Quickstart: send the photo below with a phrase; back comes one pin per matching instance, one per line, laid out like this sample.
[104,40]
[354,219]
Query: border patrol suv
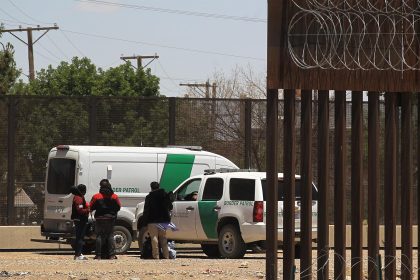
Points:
[229,214]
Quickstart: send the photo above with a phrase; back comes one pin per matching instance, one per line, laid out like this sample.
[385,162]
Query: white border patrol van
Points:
[229,214]
[130,171]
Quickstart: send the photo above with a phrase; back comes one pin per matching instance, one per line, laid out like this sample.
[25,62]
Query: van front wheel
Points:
[122,239]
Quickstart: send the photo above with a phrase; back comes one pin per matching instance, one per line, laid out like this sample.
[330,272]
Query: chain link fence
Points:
[31,125]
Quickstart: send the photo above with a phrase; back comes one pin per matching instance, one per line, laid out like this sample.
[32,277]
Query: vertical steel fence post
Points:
[373,184]
[11,159]
[306,186]
[323,184]
[172,120]
[92,119]
[339,188]
[248,133]
[418,178]
[289,157]
[356,185]
[406,187]
[272,182]
[390,183]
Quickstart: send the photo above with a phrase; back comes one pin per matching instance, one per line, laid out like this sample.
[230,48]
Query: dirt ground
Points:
[191,263]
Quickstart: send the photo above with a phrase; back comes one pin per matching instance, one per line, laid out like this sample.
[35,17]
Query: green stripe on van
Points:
[177,168]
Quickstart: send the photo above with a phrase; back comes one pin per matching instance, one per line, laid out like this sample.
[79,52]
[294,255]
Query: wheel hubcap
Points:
[119,240]
[228,242]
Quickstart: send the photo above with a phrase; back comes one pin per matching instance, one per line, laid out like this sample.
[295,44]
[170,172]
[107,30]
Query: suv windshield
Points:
[61,174]
[281,190]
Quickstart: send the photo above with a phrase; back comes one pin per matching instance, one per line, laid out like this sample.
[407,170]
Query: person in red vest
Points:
[106,205]
[79,215]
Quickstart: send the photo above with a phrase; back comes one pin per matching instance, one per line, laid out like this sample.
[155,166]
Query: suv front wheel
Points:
[231,244]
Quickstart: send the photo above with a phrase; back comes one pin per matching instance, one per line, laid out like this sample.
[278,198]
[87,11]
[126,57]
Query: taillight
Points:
[258,213]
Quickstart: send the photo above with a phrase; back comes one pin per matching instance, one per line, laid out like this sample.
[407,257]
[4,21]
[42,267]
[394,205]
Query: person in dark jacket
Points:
[157,212]
[79,215]
[106,205]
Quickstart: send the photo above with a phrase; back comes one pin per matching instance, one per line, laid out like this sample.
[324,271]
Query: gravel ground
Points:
[191,263]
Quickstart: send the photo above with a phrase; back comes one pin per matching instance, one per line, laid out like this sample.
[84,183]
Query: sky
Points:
[193,38]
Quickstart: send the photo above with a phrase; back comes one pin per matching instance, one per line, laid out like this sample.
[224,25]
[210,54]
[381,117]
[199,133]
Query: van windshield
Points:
[61,174]
[281,190]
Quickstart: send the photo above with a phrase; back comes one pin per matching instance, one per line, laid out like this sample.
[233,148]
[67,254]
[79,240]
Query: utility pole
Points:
[139,59]
[205,85]
[30,43]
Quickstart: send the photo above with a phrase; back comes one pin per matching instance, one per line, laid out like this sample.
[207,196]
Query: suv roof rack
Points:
[227,170]
[192,148]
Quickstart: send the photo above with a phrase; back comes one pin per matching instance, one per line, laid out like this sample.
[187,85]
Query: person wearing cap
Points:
[157,212]
[106,205]
[79,215]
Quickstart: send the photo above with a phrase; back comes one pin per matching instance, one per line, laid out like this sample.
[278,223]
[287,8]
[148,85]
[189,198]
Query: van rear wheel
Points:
[122,239]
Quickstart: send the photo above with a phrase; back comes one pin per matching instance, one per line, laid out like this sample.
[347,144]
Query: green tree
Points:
[8,70]
[124,80]
[77,78]
[62,118]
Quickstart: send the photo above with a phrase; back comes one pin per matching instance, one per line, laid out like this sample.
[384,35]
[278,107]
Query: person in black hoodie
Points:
[156,212]
[79,215]
[106,205]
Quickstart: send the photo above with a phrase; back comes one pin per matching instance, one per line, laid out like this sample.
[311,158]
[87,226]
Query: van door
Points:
[174,169]
[61,175]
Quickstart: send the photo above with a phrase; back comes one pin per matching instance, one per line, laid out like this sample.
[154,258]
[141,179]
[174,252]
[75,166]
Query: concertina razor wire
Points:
[355,35]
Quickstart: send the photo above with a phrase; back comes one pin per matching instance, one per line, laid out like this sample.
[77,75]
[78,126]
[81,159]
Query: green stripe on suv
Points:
[177,168]
[208,218]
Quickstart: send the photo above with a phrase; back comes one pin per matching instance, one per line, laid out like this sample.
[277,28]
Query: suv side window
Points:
[187,188]
[242,189]
[213,189]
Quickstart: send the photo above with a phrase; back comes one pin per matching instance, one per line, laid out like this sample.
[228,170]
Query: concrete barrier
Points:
[19,237]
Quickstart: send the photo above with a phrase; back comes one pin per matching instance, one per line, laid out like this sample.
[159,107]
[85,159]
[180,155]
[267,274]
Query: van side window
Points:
[187,188]
[213,189]
[242,189]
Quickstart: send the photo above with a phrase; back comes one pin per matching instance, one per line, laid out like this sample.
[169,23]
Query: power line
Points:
[19,22]
[9,15]
[27,15]
[172,11]
[161,46]
[48,51]
[71,43]
[167,76]
[56,46]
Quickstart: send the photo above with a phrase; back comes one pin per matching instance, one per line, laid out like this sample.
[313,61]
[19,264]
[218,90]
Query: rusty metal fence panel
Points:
[3,160]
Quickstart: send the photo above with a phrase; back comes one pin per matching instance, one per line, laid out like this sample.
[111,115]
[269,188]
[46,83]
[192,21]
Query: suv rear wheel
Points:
[231,244]
[211,250]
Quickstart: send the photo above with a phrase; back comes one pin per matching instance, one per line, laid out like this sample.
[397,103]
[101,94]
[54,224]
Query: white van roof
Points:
[122,149]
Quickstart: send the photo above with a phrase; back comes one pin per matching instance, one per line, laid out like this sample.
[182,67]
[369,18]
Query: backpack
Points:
[146,250]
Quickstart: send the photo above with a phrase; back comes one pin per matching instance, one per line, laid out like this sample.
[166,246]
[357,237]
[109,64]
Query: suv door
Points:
[209,206]
[185,211]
